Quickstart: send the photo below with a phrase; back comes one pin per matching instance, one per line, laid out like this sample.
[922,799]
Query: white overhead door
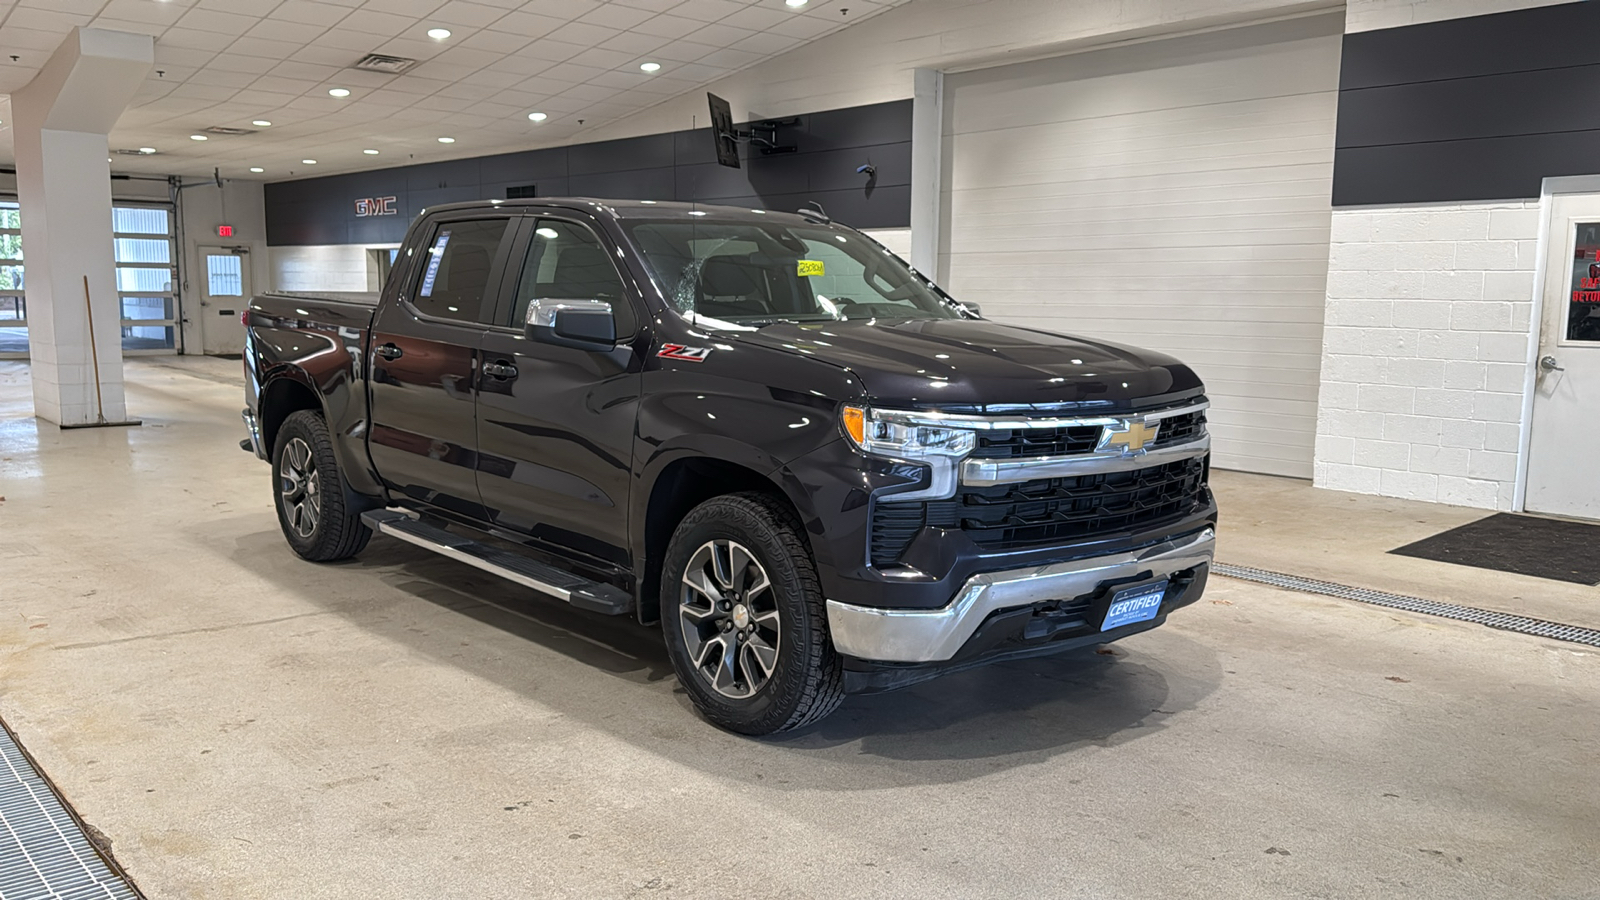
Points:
[1173,195]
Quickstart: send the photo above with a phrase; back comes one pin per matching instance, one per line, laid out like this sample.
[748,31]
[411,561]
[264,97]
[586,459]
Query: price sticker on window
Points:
[810,267]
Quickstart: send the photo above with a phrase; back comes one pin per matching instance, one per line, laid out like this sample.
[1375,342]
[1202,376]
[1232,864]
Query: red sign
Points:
[224,231]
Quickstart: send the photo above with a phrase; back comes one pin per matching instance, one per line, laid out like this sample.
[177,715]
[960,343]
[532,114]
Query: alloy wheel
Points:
[729,615]
[300,488]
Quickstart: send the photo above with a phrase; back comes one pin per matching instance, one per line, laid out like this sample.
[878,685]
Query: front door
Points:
[223,294]
[555,424]
[423,358]
[1566,400]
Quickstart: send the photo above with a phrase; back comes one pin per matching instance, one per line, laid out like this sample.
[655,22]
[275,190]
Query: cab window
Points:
[566,261]
[454,282]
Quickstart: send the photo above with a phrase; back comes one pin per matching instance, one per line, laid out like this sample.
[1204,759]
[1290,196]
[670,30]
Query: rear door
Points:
[555,424]
[424,364]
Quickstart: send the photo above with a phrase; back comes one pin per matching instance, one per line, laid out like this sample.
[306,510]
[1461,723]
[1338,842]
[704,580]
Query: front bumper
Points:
[934,636]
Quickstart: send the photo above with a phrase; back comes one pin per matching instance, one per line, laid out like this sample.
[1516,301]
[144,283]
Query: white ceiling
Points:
[229,62]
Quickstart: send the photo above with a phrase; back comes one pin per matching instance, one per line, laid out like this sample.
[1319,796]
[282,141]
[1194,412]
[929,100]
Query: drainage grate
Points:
[1504,621]
[43,850]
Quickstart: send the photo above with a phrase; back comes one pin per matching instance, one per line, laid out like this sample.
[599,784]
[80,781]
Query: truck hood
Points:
[983,365]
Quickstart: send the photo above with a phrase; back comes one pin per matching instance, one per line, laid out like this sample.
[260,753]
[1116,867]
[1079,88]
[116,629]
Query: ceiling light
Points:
[309,162]
[438,34]
[338,92]
[257,169]
[198,137]
[447,140]
[650,67]
[795,4]
[261,123]
[697,212]
[537,117]
[370,152]
[147,150]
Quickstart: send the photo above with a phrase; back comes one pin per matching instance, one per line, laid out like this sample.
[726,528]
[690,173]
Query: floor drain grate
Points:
[1504,621]
[43,850]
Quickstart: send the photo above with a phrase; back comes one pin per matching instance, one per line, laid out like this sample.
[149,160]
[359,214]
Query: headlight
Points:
[898,440]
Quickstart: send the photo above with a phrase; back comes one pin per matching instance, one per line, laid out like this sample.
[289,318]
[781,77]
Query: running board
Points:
[574,589]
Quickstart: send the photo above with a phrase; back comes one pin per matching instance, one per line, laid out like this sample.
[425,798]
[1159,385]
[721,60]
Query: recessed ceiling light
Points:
[650,67]
[338,92]
[370,152]
[309,162]
[257,169]
[198,137]
[447,140]
[438,34]
[697,212]
[795,4]
[261,123]
[537,117]
[147,150]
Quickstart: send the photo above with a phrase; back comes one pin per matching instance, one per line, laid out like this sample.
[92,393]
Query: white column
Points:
[927,169]
[60,122]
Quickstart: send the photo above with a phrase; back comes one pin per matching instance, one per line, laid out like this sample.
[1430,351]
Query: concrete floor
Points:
[243,724]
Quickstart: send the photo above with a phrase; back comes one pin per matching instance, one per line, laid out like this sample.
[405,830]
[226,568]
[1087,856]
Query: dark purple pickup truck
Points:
[818,472]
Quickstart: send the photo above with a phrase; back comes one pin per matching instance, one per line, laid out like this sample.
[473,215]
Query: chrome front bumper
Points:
[935,635]
[254,428]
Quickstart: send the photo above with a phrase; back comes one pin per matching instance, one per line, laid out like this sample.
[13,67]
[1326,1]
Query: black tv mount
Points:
[764,134]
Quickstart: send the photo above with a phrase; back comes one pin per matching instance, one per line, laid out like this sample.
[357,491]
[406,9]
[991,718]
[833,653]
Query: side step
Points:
[575,589]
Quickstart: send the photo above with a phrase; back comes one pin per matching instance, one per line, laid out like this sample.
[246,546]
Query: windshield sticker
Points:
[433,264]
[681,352]
[811,267]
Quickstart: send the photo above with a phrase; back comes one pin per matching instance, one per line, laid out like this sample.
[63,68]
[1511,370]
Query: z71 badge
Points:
[687,354]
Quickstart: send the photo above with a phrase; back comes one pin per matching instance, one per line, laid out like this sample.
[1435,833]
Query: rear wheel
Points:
[319,515]
[744,617]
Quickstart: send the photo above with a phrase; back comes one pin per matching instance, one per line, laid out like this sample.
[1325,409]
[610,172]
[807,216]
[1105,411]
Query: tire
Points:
[320,516]
[783,672]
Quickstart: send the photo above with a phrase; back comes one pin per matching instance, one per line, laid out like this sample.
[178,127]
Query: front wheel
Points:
[318,514]
[744,617]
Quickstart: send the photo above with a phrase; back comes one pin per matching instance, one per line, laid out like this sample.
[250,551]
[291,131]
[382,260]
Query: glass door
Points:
[147,276]
[13,306]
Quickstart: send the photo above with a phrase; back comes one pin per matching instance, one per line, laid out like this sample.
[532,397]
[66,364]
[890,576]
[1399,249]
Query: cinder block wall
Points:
[1424,351]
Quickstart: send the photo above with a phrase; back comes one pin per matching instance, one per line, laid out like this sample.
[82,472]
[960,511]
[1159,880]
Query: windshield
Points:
[748,274]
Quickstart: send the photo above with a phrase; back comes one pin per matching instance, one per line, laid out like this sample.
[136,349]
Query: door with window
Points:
[147,278]
[223,295]
[423,365]
[1566,428]
[555,424]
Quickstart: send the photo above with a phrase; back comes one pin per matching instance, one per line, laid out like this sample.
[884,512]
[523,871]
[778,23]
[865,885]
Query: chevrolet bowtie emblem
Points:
[1130,437]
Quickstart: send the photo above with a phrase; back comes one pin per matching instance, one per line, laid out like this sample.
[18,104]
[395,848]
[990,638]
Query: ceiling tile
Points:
[669,26]
[707,10]
[613,16]
[634,43]
[219,22]
[760,18]
[562,9]
[46,19]
[461,12]
[495,41]
[151,29]
[143,11]
[683,51]
[373,22]
[249,46]
[729,58]
[529,24]
[308,12]
[604,59]
[719,35]
[276,30]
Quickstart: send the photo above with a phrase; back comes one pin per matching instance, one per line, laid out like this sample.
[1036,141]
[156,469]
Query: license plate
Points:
[1138,604]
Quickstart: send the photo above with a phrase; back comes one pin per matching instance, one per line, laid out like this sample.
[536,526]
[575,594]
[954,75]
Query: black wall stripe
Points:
[677,166]
[1481,108]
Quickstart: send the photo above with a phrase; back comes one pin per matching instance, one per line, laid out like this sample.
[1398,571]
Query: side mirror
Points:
[581,324]
[972,308]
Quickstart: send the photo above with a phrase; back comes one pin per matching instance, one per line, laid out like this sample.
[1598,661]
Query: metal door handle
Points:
[499,370]
[1548,363]
[389,351]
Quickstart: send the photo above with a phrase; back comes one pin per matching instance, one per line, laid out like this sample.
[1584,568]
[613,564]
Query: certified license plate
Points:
[1136,604]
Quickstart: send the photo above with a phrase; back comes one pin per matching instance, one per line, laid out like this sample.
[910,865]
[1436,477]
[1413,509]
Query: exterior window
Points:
[223,278]
[455,279]
[567,262]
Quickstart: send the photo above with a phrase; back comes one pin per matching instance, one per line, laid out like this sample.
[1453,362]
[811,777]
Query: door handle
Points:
[499,370]
[389,351]
[1548,364]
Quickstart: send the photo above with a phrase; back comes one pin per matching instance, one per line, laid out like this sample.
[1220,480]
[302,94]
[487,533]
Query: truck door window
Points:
[455,275]
[567,262]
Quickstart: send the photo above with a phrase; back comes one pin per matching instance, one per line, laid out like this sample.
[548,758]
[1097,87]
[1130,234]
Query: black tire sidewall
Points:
[749,524]
[332,538]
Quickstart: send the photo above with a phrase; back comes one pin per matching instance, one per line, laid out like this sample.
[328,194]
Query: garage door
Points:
[1172,194]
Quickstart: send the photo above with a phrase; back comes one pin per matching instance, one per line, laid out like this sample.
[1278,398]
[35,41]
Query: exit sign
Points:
[224,231]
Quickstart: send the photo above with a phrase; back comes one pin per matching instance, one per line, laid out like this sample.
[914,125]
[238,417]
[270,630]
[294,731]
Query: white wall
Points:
[873,62]
[1370,15]
[315,269]
[1425,350]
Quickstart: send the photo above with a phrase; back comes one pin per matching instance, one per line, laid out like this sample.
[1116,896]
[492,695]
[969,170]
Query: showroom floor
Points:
[243,724]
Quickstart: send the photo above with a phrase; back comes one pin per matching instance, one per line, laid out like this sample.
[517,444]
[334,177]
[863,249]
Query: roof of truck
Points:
[639,209]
